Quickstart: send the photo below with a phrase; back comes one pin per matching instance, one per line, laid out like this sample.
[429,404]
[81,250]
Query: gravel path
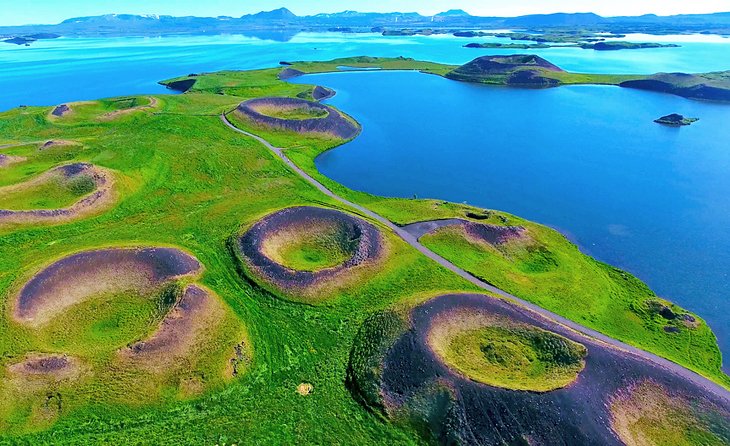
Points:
[412,240]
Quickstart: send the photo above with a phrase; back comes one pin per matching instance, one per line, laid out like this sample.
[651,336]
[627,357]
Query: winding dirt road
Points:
[412,240]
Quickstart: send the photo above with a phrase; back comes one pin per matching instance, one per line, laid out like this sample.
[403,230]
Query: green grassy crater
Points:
[312,248]
[292,112]
[518,358]
[55,194]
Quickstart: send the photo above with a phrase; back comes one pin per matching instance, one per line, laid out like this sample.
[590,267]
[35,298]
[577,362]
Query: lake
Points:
[586,160]
[69,69]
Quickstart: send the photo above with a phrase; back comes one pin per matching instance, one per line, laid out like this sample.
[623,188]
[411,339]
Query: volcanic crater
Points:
[299,116]
[93,184]
[300,249]
[79,277]
[422,377]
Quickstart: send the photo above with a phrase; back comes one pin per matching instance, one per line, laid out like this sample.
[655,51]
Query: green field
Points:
[186,180]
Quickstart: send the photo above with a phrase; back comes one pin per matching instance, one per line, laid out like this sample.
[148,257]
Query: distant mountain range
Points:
[284,23]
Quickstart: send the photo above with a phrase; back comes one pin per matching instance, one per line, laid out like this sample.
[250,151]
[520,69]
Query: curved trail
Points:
[697,379]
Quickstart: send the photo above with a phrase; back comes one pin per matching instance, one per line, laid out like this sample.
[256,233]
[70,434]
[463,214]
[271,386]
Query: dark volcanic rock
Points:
[163,264]
[334,123]
[289,73]
[459,410]
[61,110]
[531,79]
[322,93]
[181,85]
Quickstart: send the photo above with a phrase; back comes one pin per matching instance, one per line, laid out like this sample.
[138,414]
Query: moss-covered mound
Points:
[497,352]
[63,193]
[298,115]
[709,87]
[648,413]
[300,249]
[471,369]
[520,70]
[118,320]
[80,277]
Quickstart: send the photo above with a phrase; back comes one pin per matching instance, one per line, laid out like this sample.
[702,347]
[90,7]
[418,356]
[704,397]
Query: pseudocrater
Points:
[60,194]
[301,249]
[474,369]
[299,116]
[499,352]
[83,276]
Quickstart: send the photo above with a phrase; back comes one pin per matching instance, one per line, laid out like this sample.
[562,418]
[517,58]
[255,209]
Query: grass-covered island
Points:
[220,290]
[598,46]
[676,120]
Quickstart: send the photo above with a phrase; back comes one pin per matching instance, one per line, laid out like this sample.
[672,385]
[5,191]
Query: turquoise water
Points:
[586,160]
[67,69]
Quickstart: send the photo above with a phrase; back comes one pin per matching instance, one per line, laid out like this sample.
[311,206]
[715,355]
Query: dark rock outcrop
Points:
[61,110]
[322,93]
[675,120]
[289,73]
[182,85]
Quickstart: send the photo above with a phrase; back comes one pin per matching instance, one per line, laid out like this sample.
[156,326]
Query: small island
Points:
[588,45]
[675,120]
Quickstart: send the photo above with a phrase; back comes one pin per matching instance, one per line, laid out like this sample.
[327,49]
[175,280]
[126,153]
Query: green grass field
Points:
[186,180]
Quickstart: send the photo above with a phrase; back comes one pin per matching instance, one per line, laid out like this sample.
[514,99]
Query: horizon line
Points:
[361,12]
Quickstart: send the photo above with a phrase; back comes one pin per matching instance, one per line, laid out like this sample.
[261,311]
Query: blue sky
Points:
[54,11]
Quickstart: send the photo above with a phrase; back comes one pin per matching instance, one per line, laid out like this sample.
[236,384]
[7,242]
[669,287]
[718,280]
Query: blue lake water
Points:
[586,160]
[54,71]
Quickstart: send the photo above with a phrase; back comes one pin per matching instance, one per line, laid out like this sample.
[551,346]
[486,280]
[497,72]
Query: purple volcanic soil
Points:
[321,93]
[368,249]
[334,123]
[289,73]
[74,277]
[483,415]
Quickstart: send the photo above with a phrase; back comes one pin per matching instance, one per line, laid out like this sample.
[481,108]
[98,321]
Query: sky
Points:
[54,11]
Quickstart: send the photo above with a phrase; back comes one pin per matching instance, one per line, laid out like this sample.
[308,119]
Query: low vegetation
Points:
[310,248]
[650,414]
[510,356]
